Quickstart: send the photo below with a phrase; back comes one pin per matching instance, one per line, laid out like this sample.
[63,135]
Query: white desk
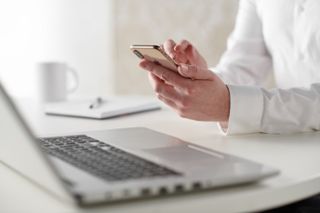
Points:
[297,156]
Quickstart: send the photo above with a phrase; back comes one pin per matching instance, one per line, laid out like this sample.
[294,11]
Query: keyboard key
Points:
[101,159]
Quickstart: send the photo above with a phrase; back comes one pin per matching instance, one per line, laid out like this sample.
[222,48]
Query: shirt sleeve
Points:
[255,109]
[246,60]
[244,67]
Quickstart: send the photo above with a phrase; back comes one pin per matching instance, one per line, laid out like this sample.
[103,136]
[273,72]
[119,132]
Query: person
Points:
[275,36]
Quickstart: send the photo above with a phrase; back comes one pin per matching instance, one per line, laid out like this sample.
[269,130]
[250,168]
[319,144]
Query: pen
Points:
[96,103]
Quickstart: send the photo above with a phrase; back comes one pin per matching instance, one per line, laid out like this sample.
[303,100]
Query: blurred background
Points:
[93,36]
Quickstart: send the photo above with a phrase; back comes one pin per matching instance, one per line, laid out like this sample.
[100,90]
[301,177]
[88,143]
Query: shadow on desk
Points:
[310,205]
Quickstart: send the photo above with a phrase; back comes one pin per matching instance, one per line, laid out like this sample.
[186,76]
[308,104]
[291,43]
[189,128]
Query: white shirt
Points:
[283,37]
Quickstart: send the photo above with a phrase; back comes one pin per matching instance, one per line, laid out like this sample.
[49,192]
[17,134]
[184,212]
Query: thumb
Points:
[195,72]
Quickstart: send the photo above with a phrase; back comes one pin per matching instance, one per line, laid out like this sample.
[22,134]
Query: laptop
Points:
[119,164]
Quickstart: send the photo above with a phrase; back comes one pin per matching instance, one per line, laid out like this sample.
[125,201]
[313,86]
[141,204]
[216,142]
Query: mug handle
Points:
[75,77]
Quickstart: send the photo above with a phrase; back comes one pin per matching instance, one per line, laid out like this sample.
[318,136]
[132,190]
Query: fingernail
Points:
[142,64]
[146,66]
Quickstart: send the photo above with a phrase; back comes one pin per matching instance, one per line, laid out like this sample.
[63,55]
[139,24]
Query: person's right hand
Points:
[205,98]
[184,53]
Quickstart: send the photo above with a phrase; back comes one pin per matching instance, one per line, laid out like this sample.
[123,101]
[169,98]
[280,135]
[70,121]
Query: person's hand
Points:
[206,98]
[184,52]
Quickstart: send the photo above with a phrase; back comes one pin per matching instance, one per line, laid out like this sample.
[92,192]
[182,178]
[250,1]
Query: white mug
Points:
[53,85]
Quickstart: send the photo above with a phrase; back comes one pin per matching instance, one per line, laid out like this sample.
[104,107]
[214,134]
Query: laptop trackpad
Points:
[182,155]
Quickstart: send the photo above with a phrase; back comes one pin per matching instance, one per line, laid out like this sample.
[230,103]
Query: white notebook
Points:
[111,107]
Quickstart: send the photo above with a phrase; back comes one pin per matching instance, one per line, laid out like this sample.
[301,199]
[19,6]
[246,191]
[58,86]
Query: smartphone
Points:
[156,54]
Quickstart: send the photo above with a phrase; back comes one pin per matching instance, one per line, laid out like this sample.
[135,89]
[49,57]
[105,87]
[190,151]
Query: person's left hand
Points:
[206,98]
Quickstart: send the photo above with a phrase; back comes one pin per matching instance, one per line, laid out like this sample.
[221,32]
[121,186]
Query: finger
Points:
[170,77]
[168,47]
[168,102]
[195,72]
[183,51]
[142,62]
[154,80]
[182,46]
[181,57]
[168,92]
[164,89]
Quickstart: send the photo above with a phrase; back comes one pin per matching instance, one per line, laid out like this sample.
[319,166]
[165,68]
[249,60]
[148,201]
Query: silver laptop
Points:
[112,165]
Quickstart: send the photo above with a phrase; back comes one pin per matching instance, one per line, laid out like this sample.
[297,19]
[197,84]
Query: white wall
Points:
[206,23]
[72,31]
[94,37]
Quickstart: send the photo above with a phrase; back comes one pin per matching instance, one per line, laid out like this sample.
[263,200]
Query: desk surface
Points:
[297,156]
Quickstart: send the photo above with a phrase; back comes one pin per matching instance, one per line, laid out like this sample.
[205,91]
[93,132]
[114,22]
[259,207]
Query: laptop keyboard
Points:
[101,159]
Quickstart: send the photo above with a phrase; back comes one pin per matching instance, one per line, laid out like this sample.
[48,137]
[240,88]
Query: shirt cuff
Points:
[246,107]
